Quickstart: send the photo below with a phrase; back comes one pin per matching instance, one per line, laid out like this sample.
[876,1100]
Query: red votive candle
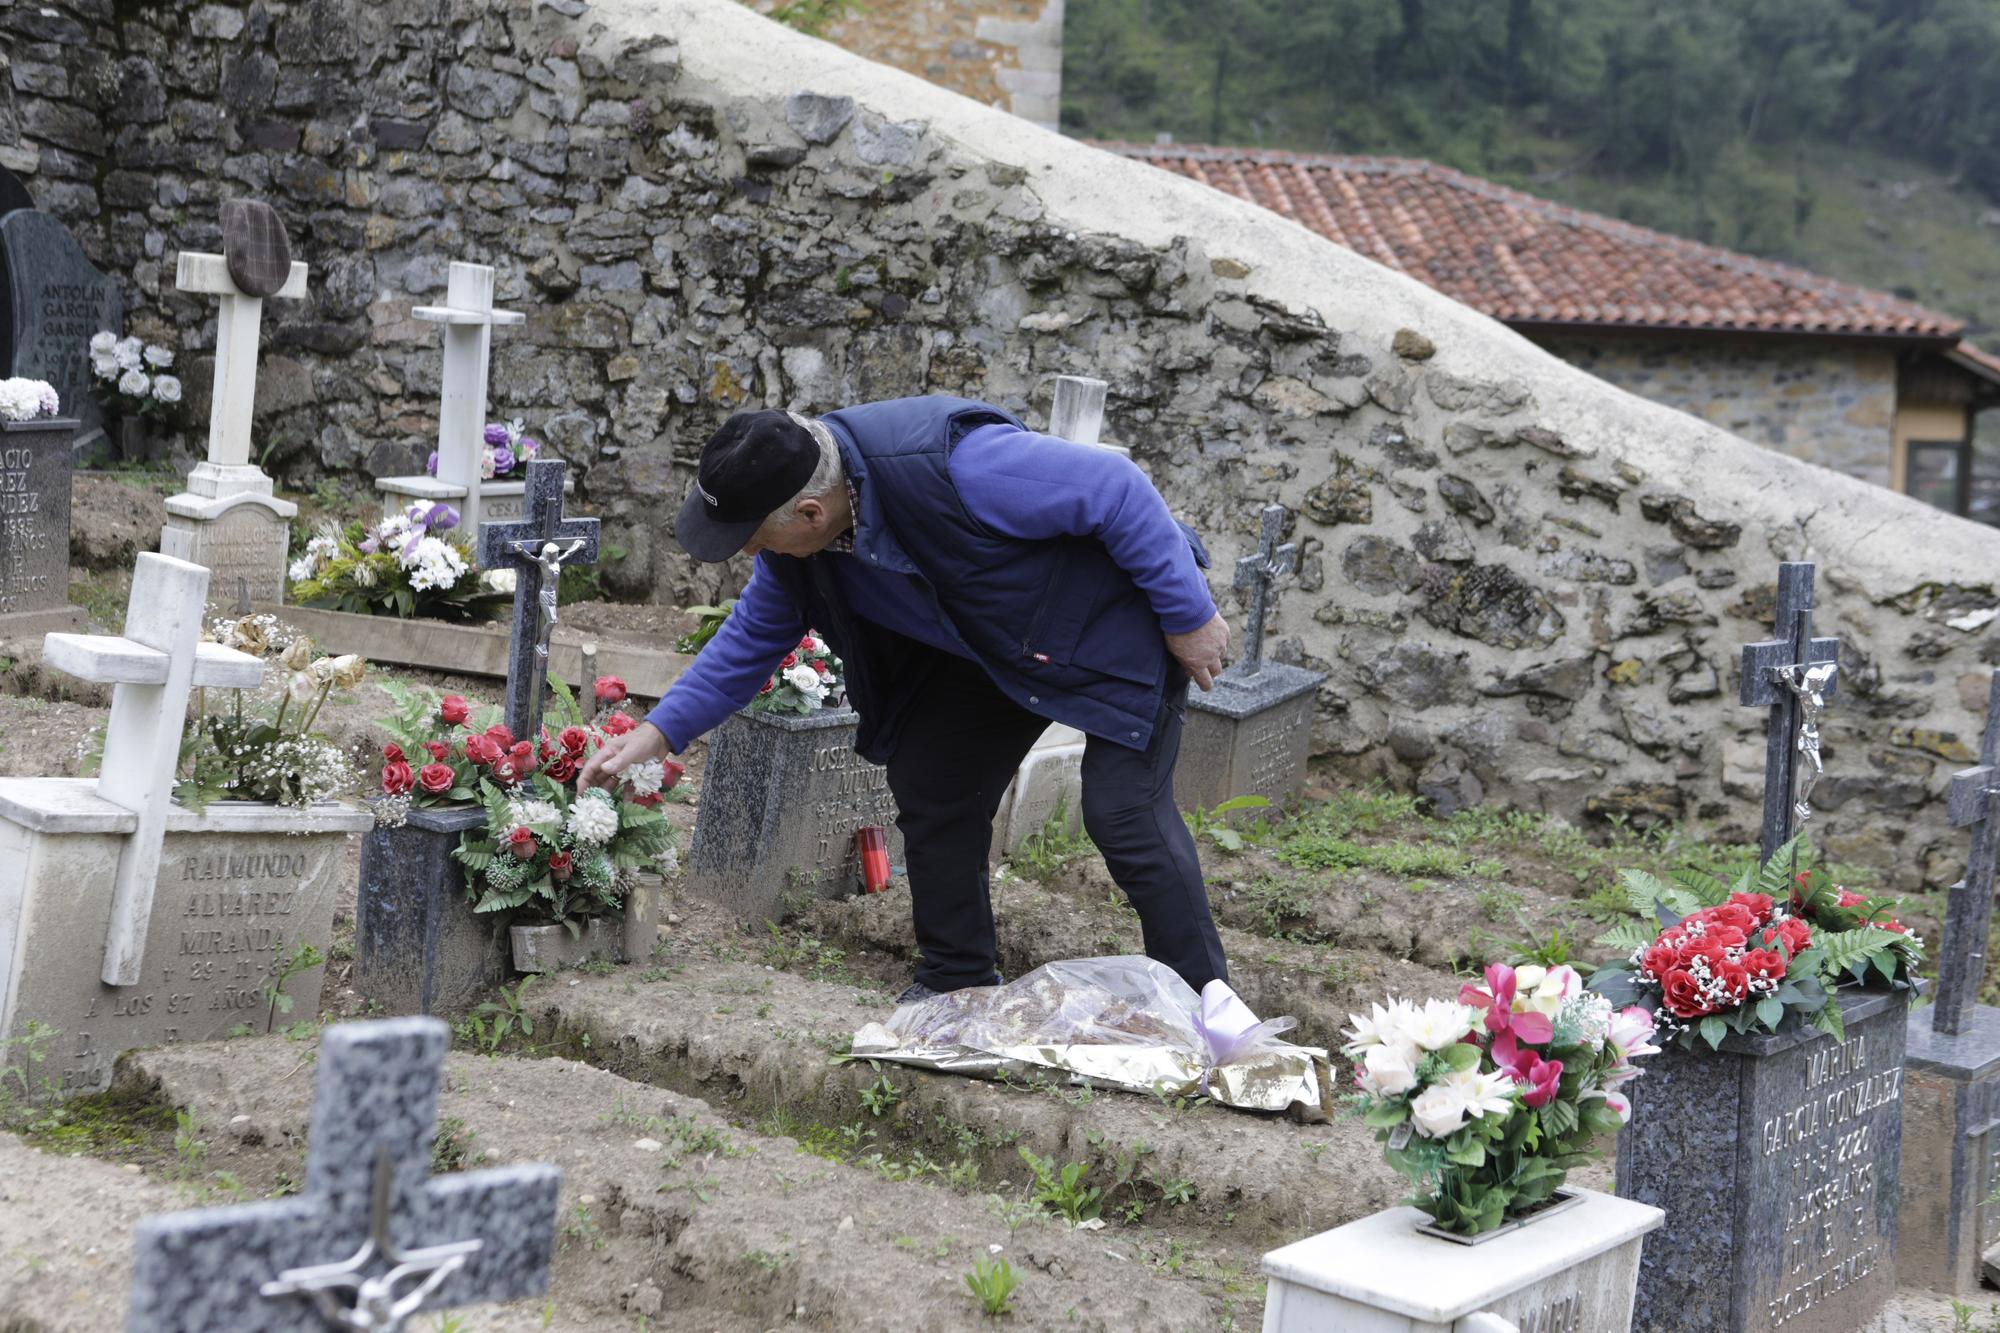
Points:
[873,845]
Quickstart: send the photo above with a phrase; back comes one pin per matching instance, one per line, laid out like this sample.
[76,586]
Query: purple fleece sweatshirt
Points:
[1023,485]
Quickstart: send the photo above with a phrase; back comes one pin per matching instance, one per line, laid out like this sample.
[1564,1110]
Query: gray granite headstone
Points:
[419,948]
[781,799]
[1776,1160]
[370,1202]
[35,466]
[53,301]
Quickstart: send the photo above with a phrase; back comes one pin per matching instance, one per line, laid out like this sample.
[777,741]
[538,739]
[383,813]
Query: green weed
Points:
[992,1282]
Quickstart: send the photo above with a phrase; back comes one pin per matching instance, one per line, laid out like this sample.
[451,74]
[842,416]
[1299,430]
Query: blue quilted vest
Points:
[1058,626]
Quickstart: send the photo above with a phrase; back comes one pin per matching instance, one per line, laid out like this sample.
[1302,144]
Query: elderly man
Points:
[978,581]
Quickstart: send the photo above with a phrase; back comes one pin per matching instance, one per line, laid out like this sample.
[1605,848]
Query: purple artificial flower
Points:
[525,448]
[503,460]
[442,518]
[371,543]
[496,434]
[431,466]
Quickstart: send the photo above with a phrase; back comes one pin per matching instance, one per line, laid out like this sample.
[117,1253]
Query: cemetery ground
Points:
[725,1168]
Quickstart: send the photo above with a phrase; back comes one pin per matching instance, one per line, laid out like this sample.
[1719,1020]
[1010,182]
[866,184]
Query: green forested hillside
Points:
[1858,137]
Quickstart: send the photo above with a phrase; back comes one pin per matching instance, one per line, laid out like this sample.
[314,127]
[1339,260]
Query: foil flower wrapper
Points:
[1128,1023]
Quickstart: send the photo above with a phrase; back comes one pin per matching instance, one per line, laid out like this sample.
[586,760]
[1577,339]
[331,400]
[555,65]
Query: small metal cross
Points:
[525,547]
[1975,800]
[1793,674]
[1259,573]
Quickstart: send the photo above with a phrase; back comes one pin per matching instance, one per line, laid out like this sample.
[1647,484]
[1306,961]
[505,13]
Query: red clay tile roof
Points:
[1528,261]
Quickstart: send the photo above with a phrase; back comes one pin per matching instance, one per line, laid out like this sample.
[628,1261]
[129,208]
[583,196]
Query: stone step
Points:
[66,1238]
[669,1211]
[762,1043]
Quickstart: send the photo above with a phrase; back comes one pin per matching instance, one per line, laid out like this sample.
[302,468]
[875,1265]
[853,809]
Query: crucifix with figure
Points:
[1793,674]
[1259,572]
[535,547]
[374,1238]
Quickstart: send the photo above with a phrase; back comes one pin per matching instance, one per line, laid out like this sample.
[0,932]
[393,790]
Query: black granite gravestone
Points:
[1776,1160]
[419,948]
[14,195]
[53,301]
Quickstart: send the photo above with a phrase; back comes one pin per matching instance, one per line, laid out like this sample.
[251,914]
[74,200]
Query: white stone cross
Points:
[237,324]
[151,669]
[1078,412]
[468,317]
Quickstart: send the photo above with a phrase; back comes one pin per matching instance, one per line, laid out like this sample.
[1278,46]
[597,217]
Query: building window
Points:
[1939,472]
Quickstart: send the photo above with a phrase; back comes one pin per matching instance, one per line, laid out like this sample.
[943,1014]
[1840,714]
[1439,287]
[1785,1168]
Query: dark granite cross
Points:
[374,1238]
[535,547]
[1789,655]
[1975,800]
[1259,572]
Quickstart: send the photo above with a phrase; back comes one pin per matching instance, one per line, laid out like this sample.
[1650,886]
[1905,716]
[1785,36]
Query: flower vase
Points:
[138,442]
[616,937]
[1571,1265]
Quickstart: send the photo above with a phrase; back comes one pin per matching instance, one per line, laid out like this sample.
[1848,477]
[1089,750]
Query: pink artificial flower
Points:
[1620,1104]
[1543,1080]
[1497,999]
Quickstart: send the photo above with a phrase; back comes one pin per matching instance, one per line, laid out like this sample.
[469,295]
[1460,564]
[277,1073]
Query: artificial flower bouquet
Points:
[135,376]
[1486,1102]
[504,452]
[28,400]
[805,682]
[411,564]
[1763,952]
[268,751]
[546,844]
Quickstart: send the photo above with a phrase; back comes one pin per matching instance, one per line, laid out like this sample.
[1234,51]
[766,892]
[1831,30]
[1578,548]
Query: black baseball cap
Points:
[753,463]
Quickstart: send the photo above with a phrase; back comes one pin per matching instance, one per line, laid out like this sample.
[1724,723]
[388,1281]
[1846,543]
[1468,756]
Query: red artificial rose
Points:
[574,739]
[483,750]
[438,750]
[1659,959]
[560,866]
[437,779]
[617,724]
[562,768]
[610,690]
[648,801]
[791,660]
[1849,898]
[1759,905]
[1792,932]
[1681,993]
[822,667]
[523,755]
[393,753]
[1718,935]
[1735,981]
[1893,924]
[521,842]
[502,735]
[397,777]
[769,685]
[674,772]
[1731,914]
[453,710]
[1764,963]
[807,644]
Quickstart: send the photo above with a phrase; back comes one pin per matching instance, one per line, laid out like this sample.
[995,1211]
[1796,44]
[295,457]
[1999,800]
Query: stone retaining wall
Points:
[1527,587]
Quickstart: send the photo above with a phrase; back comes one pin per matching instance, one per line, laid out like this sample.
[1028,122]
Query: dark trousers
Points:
[958,750]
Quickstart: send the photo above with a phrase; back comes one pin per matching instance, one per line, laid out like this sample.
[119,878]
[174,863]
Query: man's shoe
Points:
[919,992]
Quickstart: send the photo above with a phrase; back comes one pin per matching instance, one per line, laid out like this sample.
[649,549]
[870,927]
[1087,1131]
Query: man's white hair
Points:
[827,475]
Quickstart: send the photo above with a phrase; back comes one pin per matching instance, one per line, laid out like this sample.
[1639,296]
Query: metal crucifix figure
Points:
[1810,685]
[536,548]
[1794,674]
[550,559]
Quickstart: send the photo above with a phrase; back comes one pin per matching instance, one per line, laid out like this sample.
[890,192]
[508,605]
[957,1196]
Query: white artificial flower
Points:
[127,350]
[498,580]
[1584,1019]
[1621,1105]
[593,819]
[803,679]
[1438,1112]
[158,357]
[647,778]
[531,812]
[104,365]
[134,382]
[167,388]
[20,399]
[486,465]
[303,568]
[1631,1033]
[103,341]
[432,564]
[1440,1023]
[1387,1071]
[1382,1026]
[1482,1094]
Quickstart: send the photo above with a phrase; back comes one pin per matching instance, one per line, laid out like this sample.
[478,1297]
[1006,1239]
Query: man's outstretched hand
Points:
[636,746]
[1200,651]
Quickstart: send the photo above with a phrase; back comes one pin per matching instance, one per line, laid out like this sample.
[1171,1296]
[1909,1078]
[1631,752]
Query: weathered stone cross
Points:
[1259,572]
[535,548]
[469,318]
[1975,800]
[237,325]
[151,669]
[374,1238]
[1793,674]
